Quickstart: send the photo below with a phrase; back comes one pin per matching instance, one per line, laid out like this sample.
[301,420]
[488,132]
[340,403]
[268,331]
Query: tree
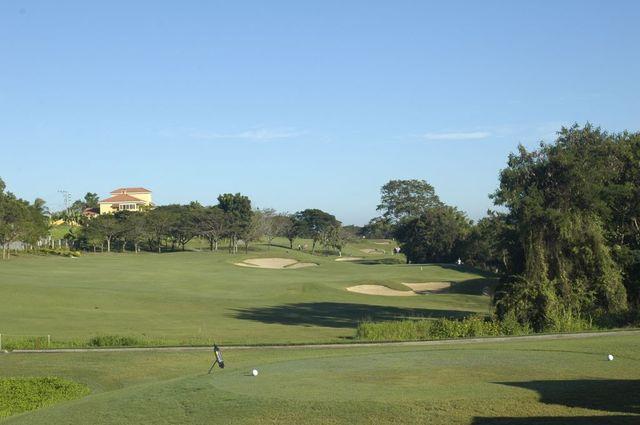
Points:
[210,223]
[434,236]
[315,224]
[91,200]
[289,227]
[378,228]
[13,218]
[266,224]
[406,198]
[338,237]
[490,244]
[106,226]
[565,201]
[134,228]
[238,216]
[36,223]
[183,223]
[158,222]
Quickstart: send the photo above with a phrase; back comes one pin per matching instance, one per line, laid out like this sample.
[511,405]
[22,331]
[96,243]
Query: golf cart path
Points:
[345,345]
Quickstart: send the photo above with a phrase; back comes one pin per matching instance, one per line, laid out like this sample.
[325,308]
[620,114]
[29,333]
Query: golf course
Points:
[257,298]
[198,297]
[323,213]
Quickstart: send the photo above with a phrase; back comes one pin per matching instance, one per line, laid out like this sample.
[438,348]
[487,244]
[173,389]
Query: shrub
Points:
[114,341]
[61,252]
[428,329]
[19,395]
[565,320]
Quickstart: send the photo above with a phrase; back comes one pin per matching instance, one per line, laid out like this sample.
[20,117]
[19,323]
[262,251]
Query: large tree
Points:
[406,198]
[158,224]
[566,202]
[105,226]
[289,227]
[210,222]
[238,216]
[434,236]
[13,218]
[315,224]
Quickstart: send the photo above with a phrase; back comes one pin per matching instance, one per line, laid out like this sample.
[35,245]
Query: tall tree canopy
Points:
[238,216]
[434,236]
[315,224]
[406,198]
[569,203]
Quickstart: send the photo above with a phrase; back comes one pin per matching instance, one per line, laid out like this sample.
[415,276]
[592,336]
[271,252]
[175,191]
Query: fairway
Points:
[195,297]
[526,382]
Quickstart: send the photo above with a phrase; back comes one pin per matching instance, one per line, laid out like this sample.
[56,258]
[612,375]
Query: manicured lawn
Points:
[199,296]
[526,382]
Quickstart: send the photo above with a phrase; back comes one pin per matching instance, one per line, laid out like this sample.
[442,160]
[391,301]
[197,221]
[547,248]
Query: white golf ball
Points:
[610,357]
[254,372]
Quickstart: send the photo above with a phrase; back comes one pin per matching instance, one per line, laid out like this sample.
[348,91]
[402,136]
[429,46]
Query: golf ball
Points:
[254,372]
[610,357]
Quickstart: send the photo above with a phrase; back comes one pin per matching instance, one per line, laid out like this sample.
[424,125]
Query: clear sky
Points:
[301,104]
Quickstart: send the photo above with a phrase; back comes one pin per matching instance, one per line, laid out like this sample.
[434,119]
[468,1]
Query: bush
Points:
[19,395]
[60,252]
[428,329]
[114,341]
[565,320]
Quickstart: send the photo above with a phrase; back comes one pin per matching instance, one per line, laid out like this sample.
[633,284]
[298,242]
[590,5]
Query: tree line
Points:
[566,242]
[171,227]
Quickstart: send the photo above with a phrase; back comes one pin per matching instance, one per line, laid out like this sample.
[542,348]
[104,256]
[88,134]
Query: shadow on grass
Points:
[379,261]
[610,395]
[466,269]
[561,420]
[337,315]
[478,286]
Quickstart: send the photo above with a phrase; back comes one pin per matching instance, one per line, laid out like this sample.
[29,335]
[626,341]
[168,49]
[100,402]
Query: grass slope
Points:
[532,382]
[195,297]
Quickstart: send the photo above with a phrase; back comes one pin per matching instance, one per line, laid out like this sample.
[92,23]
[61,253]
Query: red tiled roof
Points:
[131,190]
[123,197]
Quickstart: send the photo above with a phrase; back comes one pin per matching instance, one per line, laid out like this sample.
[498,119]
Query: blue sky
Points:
[301,104]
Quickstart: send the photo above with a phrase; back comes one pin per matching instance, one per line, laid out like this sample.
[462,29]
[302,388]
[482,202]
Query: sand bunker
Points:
[382,243]
[428,287]
[380,290]
[416,289]
[274,263]
[349,258]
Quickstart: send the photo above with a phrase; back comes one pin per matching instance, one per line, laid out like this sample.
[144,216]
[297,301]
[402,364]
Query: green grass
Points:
[59,231]
[196,297]
[524,382]
[22,394]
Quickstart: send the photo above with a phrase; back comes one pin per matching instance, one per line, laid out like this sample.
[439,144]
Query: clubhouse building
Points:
[126,199]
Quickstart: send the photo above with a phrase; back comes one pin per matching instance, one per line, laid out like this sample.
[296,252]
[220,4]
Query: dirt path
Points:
[346,345]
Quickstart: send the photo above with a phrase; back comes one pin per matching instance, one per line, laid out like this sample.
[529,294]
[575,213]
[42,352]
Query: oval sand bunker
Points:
[380,290]
[274,263]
